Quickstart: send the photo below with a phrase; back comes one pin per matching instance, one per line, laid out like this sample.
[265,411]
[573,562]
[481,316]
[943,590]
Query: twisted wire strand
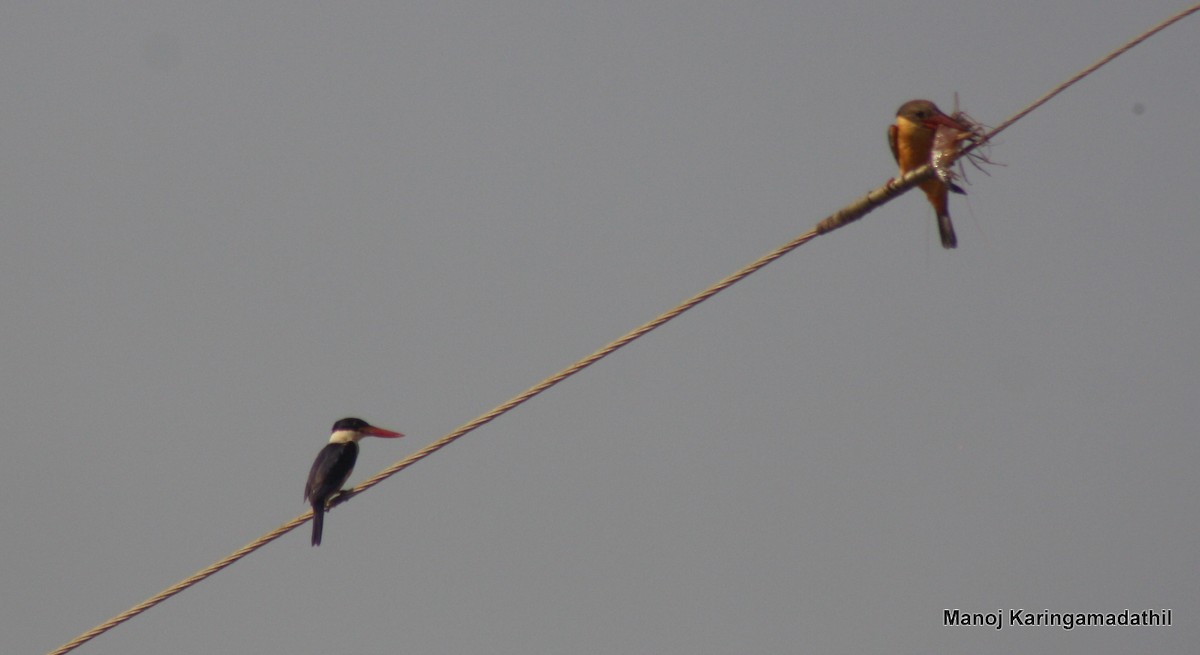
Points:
[1091,69]
[578,366]
[841,218]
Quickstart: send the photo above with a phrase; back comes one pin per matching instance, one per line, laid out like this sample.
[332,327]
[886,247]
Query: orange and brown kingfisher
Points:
[911,138]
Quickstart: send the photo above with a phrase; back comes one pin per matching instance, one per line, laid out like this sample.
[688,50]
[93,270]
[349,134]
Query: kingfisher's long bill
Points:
[333,466]
[911,138]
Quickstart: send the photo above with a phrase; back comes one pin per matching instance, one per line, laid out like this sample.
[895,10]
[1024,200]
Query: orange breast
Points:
[914,142]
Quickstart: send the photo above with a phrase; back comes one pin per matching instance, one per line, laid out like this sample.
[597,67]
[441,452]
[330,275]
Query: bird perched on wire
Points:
[333,465]
[911,139]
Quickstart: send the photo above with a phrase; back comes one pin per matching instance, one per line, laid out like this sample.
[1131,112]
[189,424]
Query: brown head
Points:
[924,112]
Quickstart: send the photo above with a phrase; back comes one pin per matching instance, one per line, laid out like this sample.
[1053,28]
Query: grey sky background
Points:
[226,226]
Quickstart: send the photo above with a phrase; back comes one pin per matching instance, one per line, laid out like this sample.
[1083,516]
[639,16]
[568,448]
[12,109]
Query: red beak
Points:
[380,432]
[942,119]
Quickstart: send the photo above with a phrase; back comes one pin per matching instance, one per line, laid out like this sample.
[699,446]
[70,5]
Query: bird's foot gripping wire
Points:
[338,498]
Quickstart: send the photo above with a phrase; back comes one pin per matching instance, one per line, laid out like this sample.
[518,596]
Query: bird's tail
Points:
[946,230]
[318,524]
